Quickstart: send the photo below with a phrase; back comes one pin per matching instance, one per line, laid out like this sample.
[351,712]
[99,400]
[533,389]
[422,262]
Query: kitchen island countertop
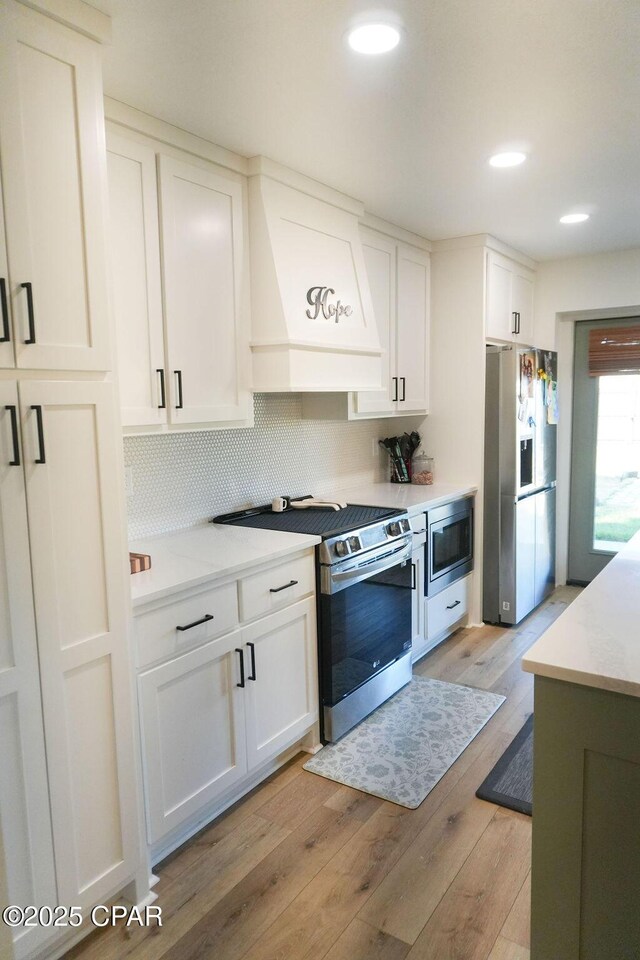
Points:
[596,641]
[187,558]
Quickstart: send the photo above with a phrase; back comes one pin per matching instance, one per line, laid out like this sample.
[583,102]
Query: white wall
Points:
[582,288]
[583,283]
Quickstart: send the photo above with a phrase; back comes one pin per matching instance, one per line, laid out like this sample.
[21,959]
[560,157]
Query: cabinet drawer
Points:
[276,587]
[447,608]
[157,632]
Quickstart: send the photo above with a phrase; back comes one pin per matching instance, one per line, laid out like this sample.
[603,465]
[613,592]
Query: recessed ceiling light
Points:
[574,218]
[372,38]
[511,159]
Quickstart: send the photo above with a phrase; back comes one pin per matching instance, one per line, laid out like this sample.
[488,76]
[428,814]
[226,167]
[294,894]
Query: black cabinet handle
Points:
[252,648]
[404,385]
[6,335]
[516,323]
[163,397]
[179,404]
[413,576]
[196,623]
[14,433]
[42,458]
[241,684]
[291,583]
[395,389]
[455,603]
[32,320]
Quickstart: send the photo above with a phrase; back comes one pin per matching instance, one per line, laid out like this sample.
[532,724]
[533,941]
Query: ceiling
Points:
[409,132]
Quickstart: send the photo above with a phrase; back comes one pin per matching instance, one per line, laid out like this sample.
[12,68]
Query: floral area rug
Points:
[402,749]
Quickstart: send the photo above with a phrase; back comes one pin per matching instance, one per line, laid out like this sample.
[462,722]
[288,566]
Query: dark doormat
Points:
[510,783]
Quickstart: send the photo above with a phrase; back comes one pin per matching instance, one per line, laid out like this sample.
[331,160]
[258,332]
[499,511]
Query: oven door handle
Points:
[375,566]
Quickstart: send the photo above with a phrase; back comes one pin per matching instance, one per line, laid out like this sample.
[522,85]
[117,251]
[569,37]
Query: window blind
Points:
[614,350]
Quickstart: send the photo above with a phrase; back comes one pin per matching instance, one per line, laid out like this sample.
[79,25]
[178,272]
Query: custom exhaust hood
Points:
[313,326]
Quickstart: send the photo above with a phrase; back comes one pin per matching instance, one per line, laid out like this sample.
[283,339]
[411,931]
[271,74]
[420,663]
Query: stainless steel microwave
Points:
[449,545]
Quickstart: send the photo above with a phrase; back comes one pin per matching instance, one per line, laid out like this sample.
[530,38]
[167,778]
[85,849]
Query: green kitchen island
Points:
[585,901]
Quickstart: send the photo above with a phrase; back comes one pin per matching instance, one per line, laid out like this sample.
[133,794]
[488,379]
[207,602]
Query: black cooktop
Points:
[313,520]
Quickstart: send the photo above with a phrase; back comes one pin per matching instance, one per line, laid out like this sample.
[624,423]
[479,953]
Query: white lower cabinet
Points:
[211,717]
[282,689]
[193,732]
[24,799]
[67,775]
[445,611]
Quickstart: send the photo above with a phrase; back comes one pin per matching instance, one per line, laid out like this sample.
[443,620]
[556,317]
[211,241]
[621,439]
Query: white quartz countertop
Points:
[596,641]
[413,497]
[187,558]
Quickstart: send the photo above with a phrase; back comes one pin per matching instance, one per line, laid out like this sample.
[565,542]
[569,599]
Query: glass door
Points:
[605,461]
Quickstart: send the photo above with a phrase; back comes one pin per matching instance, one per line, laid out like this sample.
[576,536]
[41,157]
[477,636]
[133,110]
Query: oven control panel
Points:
[397,527]
[364,539]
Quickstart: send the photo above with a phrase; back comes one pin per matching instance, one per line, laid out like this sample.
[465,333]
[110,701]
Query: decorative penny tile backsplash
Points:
[182,479]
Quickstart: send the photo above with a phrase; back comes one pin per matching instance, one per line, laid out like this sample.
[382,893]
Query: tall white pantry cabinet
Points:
[68,806]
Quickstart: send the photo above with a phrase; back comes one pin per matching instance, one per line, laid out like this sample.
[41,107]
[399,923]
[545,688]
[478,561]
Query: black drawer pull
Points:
[6,335]
[417,532]
[252,648]
[395,389]
[14,434]
[179,403]
[286,586]
[163,399]
[32,321]
[196,623]
[404,389]
[413,576]
[455,603]
[41,458]
[241,684]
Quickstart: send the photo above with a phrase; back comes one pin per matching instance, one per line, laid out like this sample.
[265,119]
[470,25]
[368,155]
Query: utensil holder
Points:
[400,470]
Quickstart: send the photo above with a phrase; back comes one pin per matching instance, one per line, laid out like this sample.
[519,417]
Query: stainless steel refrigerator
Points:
[519,482]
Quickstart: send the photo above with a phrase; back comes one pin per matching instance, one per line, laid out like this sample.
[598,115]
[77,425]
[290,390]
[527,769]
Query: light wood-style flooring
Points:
[303,868]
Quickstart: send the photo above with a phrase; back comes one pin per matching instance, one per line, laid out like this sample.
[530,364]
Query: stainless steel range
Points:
[364,603]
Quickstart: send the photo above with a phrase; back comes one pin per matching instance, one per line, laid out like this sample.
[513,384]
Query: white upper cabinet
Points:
[183,358]
[399,281]
[202,246]
[7,357]
[136,284]
[380,261]
[52,149]
[413,330]
[509,313]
